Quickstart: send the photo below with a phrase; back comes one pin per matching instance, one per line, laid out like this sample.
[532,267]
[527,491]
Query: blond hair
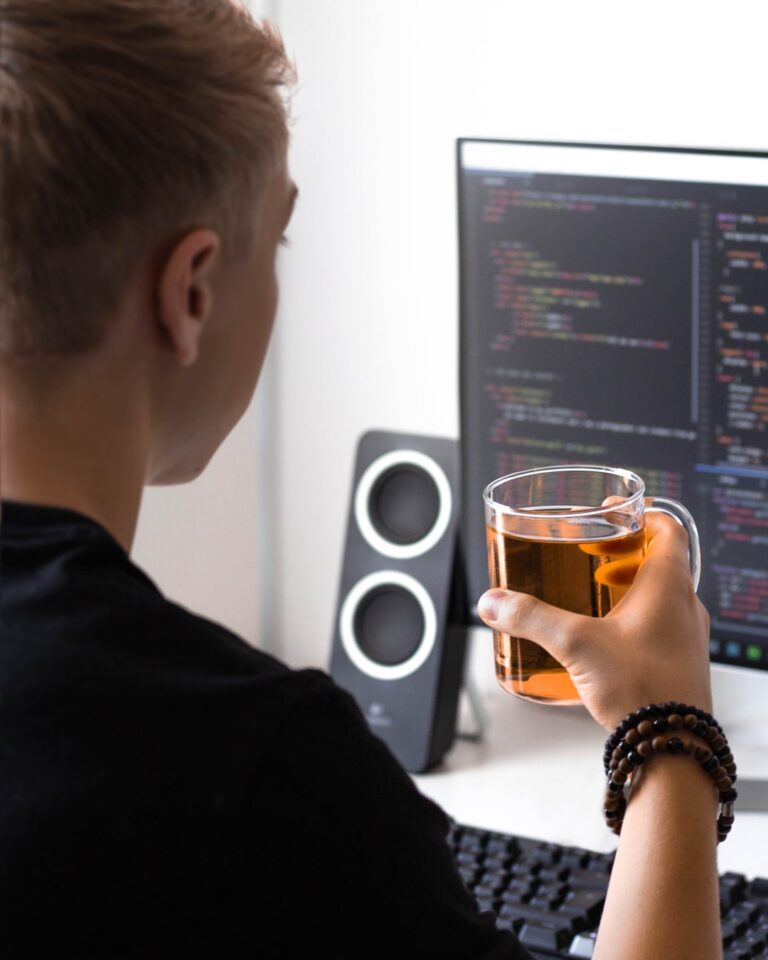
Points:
[124,122]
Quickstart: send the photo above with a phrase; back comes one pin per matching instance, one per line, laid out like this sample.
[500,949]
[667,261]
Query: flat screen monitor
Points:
[614,310]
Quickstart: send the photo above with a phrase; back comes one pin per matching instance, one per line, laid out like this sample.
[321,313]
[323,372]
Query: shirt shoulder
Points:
[328,730]
[69,586]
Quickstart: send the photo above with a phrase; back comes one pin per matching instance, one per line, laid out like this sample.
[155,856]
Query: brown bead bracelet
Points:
[704,741]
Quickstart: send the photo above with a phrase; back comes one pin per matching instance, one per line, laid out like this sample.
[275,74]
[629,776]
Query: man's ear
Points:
[184,295]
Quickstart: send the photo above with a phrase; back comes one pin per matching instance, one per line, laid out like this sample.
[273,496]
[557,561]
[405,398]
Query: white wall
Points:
[207,543]
[367,331]
[203,542]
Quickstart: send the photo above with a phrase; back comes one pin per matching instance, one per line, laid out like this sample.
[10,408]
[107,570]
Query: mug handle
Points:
[678,512]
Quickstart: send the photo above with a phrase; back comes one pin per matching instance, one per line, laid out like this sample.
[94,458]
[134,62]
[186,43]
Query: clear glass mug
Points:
[549,535]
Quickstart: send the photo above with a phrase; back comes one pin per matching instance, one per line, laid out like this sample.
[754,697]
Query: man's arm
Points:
[663,896]
[652,647]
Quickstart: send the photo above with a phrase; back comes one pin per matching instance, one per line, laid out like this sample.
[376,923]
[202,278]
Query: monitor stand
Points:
[740,705]
[476,708]
[753,795]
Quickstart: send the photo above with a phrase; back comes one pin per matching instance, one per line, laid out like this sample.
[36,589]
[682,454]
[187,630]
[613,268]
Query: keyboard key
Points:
[744,915]
[748,910]
[601,862]
[759,887]
[740,925]
[755,941]
[728,931]
[577,920]
[514,898]
[574,858]
[545,902]
[545,937]
[544,853]
[549,854]
[735,953]
[558,873]
[499,843]
[518,889]
[745,949]
[467,858]
[527,914]
[470,844]
[526,863]
[509,923]
[732,885]
[583,945]
[589,879]
[588,902]
[484,892]
[499,862]
[486,878]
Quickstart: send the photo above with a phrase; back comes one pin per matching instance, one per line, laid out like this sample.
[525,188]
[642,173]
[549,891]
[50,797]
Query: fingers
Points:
[522,615]
[628,541]
[622,556]
[665,573]
[666,540]
[619,572]
[614,546]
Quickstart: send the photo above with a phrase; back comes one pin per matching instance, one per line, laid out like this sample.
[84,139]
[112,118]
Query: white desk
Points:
[538,772]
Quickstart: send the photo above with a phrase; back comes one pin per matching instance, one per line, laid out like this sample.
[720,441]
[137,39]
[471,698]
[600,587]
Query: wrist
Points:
[667,775]
[702,699]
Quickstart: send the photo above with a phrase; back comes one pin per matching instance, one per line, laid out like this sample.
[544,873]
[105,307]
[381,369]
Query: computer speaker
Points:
[400,630]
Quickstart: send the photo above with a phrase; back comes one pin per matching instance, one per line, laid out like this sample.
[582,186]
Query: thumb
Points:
[523,615]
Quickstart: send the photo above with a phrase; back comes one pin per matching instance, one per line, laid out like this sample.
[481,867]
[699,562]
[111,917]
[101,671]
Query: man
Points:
[165,790]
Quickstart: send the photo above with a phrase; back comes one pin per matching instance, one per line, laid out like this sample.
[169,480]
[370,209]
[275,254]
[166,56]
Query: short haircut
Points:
[124,123]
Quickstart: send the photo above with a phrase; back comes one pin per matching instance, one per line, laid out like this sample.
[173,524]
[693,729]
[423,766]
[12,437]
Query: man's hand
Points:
[652,647]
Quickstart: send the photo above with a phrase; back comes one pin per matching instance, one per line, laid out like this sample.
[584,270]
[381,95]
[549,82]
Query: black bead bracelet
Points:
[651,712]
[691,731]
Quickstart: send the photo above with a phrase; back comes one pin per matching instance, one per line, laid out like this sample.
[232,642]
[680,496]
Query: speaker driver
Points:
[403,504]
[388,625]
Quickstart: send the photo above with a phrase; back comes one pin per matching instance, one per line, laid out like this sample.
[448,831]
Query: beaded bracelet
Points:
[639,736]
[654,710]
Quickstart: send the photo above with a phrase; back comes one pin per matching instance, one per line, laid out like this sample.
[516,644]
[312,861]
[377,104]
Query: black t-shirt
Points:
[168,791]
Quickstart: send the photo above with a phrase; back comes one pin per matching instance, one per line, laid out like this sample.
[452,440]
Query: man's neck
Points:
[80,446]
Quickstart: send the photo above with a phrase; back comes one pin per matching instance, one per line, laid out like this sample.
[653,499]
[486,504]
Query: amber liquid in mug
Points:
[587,576]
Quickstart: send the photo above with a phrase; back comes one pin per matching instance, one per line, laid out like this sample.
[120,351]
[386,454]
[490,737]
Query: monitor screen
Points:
[614,310]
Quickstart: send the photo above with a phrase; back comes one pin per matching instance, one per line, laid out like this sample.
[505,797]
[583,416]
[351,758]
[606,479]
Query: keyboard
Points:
[551,896]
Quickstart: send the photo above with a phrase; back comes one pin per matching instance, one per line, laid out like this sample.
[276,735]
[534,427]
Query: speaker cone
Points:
[388,625]
[403,504]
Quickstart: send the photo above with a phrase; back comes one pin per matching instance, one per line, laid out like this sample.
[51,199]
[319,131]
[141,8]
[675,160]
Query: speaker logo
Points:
[377,715]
